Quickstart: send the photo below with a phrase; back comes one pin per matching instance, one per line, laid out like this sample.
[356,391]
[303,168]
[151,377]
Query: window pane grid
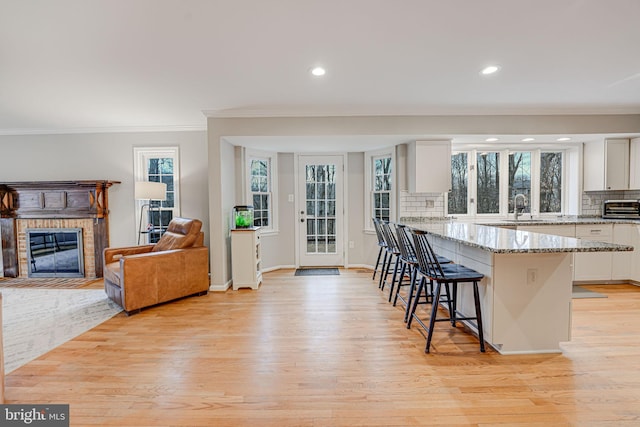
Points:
[260,191]
[321,209]
[160,169]
[381,194]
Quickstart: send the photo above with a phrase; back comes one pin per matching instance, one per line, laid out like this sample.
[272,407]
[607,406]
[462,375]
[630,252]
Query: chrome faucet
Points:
[515,204]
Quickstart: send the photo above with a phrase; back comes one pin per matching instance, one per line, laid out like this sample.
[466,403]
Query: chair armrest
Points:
[114,254]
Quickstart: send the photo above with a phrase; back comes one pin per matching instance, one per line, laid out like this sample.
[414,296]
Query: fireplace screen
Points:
[55,252]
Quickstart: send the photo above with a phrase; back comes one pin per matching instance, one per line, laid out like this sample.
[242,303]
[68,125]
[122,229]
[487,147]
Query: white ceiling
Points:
[108,65]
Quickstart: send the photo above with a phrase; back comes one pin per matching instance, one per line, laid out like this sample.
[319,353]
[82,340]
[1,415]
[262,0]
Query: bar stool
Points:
[410,261]
[393,252]
[447,275]
[381,243]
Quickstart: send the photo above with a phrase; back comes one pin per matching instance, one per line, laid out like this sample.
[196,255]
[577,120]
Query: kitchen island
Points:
[526,292]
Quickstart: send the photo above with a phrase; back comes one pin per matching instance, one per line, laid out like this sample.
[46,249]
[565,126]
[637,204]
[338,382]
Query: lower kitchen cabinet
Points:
[623,263]
[596,265]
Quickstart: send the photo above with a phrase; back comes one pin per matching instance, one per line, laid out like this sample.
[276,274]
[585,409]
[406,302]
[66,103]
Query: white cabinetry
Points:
[593,265]
[246,258]
[606,165]
[623,262]
[634,164]
[566,230]
[429,166]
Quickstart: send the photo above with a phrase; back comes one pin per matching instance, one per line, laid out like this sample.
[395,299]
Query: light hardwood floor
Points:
[331,351]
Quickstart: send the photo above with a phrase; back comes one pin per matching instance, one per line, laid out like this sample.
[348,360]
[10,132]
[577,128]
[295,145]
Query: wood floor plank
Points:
[331,351]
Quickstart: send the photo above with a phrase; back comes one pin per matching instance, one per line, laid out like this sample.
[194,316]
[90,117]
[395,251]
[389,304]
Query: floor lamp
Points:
[148,191]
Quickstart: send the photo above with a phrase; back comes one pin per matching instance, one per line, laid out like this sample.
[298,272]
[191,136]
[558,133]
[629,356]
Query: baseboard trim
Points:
[220,288]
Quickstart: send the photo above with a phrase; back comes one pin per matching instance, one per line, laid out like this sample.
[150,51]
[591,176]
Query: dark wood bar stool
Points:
[410,261]
[393,252]
[447,275]
[381,244]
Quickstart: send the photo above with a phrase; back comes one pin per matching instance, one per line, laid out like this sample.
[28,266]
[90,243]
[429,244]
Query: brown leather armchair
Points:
[177,266]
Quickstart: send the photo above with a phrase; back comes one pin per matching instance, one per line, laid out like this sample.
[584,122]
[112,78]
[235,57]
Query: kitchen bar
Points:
[526,292]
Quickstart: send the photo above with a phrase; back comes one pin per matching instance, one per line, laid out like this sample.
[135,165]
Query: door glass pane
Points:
[320,194]
[488,185]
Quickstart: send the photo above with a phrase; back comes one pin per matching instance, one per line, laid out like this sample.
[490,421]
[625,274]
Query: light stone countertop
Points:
[503,240]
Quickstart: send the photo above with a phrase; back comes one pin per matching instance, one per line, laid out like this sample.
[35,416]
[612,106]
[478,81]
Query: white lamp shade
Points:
[146,190]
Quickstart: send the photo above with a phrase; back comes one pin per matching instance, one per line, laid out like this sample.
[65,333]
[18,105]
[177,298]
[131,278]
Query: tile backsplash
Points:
[421,204]
[592,201]
[432,204]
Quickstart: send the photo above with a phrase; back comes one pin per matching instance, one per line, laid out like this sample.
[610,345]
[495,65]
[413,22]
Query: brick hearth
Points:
[86,224]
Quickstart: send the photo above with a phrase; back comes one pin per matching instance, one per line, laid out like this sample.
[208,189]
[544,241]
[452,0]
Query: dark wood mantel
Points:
[53,200]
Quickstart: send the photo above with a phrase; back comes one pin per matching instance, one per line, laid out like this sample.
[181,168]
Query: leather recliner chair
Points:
[177,266]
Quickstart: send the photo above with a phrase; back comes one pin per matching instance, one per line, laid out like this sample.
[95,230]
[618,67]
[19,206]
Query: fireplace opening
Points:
[55,252]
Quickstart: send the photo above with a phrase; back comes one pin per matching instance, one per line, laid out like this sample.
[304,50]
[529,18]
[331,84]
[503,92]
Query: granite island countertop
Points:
[495,239]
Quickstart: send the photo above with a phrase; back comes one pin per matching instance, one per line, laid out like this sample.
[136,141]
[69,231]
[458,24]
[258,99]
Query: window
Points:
[534,175]
[488,183]
[158,165]
[382,188]
[551,182]
[458,196]
[520,181]
[261,182]
[379,184]
[260,192]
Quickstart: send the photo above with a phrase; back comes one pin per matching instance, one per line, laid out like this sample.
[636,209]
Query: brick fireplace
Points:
[53,205]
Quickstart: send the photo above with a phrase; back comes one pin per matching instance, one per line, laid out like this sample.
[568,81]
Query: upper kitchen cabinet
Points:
[606,165]
[429,166]
[634,164]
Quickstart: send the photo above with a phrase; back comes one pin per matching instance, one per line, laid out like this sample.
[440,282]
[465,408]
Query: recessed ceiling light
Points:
[490,69]
[528,139]
[491,139]
[318,71]
[564,139]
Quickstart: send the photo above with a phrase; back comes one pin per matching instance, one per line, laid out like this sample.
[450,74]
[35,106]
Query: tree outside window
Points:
[488,183]
[551,182]
[161,211]
[520,181]
[457,197]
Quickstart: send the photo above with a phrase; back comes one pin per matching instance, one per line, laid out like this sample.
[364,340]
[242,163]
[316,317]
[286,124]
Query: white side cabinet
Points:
[246,258]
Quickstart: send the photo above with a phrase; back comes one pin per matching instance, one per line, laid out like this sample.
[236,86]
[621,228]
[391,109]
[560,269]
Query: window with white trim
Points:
[485,181]
[157,164]
[261,182]
[380,186]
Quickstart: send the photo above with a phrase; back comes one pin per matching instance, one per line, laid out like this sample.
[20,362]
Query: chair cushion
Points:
[181,233]
[111,272]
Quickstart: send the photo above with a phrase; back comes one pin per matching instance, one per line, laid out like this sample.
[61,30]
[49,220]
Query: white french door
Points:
[320,211]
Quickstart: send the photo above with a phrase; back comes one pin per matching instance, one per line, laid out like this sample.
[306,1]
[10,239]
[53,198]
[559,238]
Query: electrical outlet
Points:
[532,276]
[431,203]
[352,244]
[290,198]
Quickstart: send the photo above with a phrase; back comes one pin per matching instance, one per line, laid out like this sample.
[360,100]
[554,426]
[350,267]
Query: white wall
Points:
[109,156]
